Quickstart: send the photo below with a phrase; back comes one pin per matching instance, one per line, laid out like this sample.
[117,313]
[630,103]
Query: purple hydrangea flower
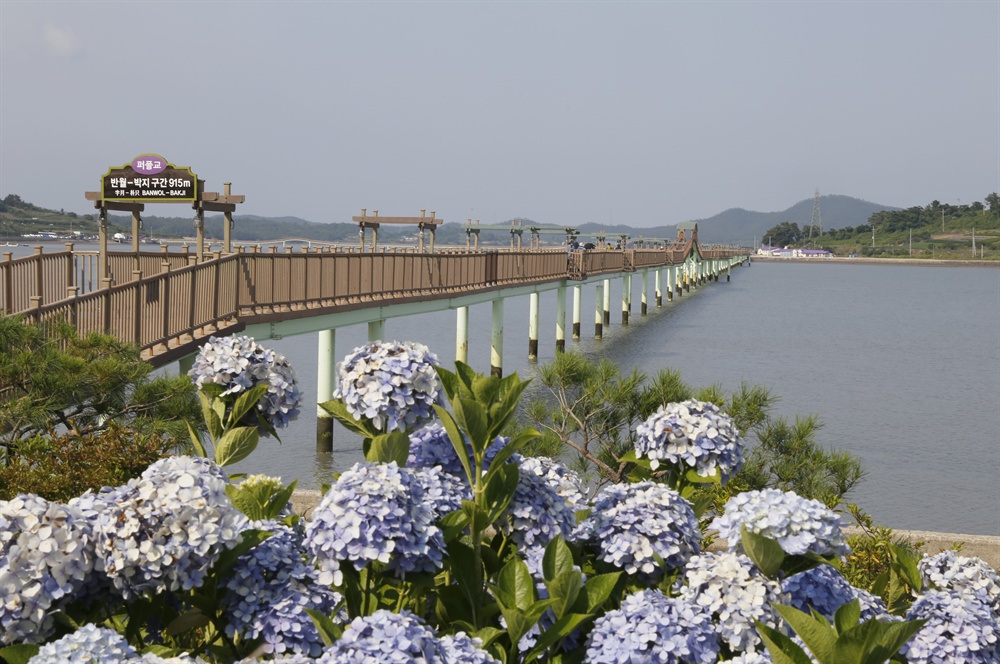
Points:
[950,571]
[960,629]
[443,491]
[565,482]
[430,446]
[393,384]
[825,589]
[374,512]
[166,529]
[536,514]
[239,363]
[799,525]
[650,627]
[691,434]
[46,556]
[387,637]
[632,523]
[734,592]
[87,645]
[269,590]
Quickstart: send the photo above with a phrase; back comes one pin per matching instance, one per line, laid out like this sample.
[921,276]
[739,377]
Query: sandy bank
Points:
[926,262]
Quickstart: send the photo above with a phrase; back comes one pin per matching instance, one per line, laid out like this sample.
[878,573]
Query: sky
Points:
[638,113]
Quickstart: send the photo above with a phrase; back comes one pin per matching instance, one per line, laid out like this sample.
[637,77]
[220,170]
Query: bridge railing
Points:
[39,278]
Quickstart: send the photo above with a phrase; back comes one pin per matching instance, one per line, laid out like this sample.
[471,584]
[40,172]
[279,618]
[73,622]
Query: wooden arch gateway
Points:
[151,178]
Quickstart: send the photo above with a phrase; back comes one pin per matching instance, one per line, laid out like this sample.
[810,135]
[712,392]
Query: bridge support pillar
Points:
[462,334]
[626,297]
[325,379]
[671,280]
[658,286]
[577,302]
[496,341]
[533,327]
[599,310]
[560,320]
[376,330]
[645,283]
[607,302]
[186,363]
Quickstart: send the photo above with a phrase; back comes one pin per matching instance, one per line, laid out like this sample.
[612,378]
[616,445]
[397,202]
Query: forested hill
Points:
[736,225]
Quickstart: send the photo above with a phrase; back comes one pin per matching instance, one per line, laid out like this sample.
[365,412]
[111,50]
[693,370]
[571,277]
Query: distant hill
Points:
[736,225]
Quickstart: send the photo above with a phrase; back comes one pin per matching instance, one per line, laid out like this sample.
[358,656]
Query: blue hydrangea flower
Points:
[536,514]
[443,491]
[87,645]
[387,637]
[430,446]
[166,529]
[750,657]
[825,589]
[566,482]
[950,571]
[960,629]
[393,384]
[269,590]
[631,522]
[650,627]
[239,363]
[374,512]
[691,434]
[152,658]
[799,525]
[46,556]
[734,592]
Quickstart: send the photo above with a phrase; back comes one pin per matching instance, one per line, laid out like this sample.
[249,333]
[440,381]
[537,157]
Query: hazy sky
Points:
[563,112]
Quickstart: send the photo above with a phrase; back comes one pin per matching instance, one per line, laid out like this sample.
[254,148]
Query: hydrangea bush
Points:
[448,544]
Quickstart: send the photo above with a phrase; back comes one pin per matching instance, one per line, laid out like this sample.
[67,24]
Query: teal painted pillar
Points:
[496,340]
[533,327]
[560,320]
[626,297]
[643,303]
[599,311]
[376,330]
[577,303]
[462,334]
[326,361]
[186,363]
[606,299]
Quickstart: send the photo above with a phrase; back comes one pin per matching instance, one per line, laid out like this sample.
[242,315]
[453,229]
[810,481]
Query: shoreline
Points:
[926,262]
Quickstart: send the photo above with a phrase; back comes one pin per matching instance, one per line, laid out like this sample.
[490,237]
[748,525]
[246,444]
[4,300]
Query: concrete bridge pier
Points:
[326,361]
[626,298]
[607,301]
[462,334]
[599,311]
[533,327]
[643,303]
[577,302]
[671,280]
[560,320]
[496,340]
[376,330]
[658,286]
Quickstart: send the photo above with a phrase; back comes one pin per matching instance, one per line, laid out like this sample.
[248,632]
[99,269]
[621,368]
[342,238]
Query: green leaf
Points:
[485,388]
[765,552]
[692,476]
[466,377]
[236,445]
[453,523]
[19,654]
[563,591]
[449,382]
[500,490]
[818,635]
[463,567]
[905,566]
[457,441]
[515,581]
[245,402]
[328,630]
[559,630]
[187,621]
[595,592]
[557,560]
[196,441]
[471,418]
[212,420]
[479,520]
[338,410]
[782,649]
[629,457]
[488,635]
[847,616]
[887,638]
[389,447]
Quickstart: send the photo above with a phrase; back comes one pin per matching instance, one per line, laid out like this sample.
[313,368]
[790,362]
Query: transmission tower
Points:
[817,218]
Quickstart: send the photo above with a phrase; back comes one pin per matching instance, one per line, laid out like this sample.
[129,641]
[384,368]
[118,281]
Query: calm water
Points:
[901,363]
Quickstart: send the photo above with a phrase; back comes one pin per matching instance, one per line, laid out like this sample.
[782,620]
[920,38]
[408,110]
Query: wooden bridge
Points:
[167,302]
